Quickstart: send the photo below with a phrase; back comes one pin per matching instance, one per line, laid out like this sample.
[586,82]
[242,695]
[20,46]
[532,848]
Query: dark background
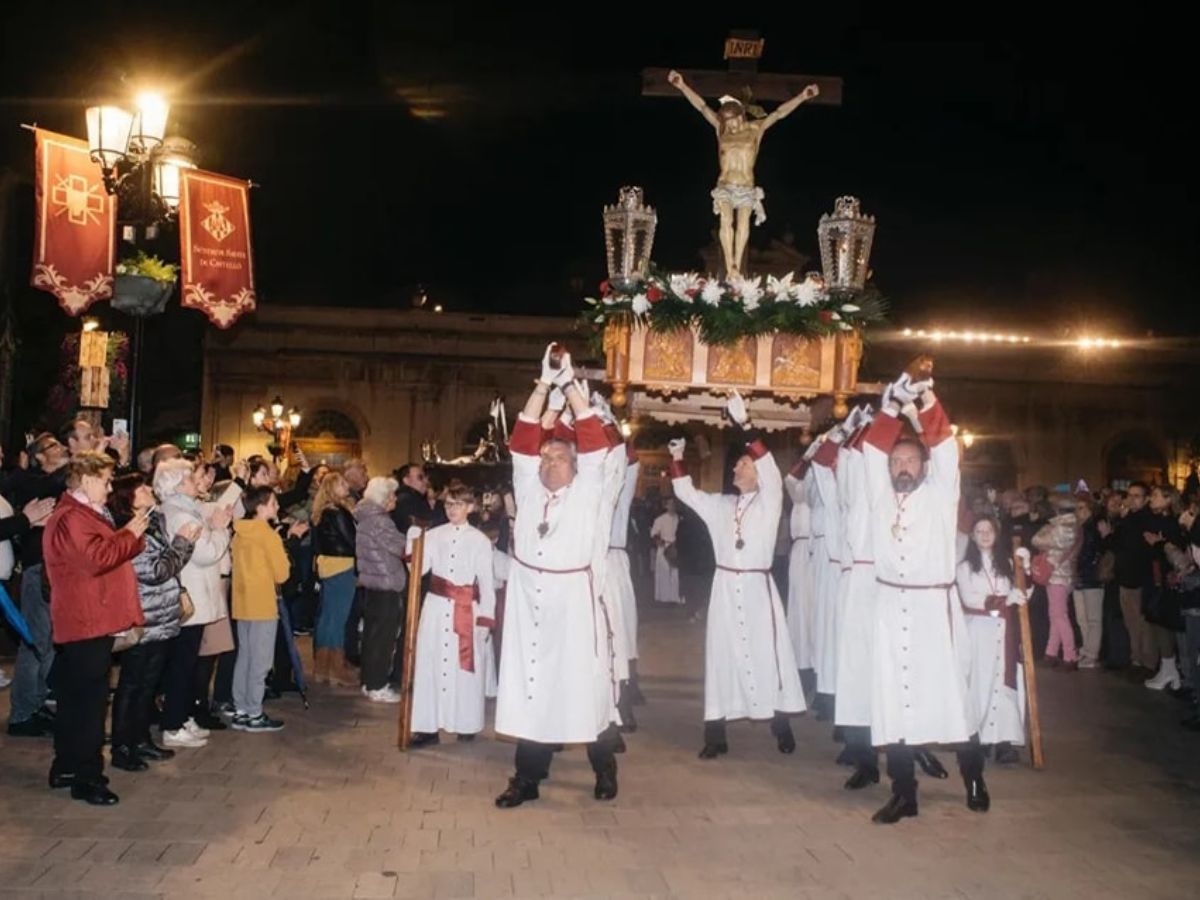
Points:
[1028,167]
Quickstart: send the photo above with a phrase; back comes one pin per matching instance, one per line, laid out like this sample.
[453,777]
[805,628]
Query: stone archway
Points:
[1135,455]
[329,436]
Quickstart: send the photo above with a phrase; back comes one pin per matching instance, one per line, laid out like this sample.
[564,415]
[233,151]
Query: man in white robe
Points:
[618,580]
[557,678]
[919,692]
[749,668]
[800,578]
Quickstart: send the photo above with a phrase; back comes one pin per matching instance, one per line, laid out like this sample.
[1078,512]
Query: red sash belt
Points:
[766,573]
[463,596]
[1012,639]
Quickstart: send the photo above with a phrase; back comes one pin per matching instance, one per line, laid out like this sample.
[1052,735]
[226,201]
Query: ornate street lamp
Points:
[277,424]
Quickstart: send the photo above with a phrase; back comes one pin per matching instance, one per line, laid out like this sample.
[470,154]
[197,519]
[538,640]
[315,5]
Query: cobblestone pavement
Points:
[329,808]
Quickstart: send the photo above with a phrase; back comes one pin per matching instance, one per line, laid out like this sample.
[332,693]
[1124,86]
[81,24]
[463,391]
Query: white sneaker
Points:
[182,738]
[1088,664]
[195,730]
[1167,677]
[384,695]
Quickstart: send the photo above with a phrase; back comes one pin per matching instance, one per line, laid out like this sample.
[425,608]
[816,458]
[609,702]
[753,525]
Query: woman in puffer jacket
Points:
[175,485]
[1059,540]
[379,553]
[157,568]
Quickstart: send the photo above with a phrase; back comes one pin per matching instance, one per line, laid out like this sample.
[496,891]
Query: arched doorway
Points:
[328,436]
[1134,456]
[989,461]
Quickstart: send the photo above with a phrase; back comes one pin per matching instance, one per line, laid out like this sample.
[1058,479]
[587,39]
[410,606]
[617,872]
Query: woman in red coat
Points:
[93,596]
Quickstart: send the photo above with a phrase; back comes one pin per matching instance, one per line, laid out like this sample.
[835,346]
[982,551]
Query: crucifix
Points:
[740,124]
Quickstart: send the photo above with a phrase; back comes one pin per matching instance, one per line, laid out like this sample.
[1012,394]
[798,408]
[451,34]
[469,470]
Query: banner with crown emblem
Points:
[75,224]
[217,261]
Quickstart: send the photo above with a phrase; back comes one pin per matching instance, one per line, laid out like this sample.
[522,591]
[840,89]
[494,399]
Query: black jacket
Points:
[413,509]
[335,534]
[1091,548]
[34,484]
[1134,555]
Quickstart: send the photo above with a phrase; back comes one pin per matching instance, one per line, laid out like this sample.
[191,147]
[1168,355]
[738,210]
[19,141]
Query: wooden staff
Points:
[1031,697]
[412,615]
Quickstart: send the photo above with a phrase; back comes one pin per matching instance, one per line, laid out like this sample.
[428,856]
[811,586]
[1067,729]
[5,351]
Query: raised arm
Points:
[791,106]
[695,99]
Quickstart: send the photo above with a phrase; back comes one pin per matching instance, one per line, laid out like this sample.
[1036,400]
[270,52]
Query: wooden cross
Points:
[743,49]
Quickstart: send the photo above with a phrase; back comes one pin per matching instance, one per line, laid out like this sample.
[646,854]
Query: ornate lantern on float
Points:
[845,237]
[628,238]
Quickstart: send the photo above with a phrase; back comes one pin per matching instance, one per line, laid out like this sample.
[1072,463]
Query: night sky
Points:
[1027,168]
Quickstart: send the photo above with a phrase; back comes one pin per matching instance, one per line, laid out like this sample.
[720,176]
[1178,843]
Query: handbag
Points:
[187,608]
[1041,569]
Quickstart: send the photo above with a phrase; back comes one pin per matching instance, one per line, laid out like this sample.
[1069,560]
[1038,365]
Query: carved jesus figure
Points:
[738,139]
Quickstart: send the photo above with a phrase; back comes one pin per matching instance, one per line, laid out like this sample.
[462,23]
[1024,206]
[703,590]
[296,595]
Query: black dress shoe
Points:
[784,739]
[977,796]
[94,794]
[712,751]
[606,783]
[930,764]
[424,739]
[34,727]
[465,738]
[898,807]
[67,779]
[864,776]
[846,758]
[152,752]
[127,759]
[1007,754]
[518,791]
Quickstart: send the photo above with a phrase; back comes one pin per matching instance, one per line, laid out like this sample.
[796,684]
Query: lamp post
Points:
[141,166]
[277,424]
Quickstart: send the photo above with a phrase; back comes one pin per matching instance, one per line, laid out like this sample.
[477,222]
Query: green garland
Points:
[725,312]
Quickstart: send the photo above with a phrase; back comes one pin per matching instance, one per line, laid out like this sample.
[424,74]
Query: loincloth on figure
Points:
[740,197]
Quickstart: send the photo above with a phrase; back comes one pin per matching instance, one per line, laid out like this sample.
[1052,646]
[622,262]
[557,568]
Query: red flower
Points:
[605,288]
[826,316]
[654,293]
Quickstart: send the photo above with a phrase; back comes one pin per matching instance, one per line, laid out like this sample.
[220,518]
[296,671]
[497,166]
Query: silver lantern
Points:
[628,238]
[845,238]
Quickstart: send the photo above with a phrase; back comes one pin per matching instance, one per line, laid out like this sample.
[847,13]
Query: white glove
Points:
[557,400]
[1017,597]
[904,392]
[866,416]
[566,374]
[548,371]
[603,410]
[675,447]
[1022,553]
[836,434]
[736,407]
[414,532]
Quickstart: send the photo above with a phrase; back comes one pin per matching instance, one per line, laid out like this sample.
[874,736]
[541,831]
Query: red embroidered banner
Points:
[217,269]
[75,224]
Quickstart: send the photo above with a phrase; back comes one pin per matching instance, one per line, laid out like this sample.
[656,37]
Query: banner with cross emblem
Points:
[75,224]
[217,262]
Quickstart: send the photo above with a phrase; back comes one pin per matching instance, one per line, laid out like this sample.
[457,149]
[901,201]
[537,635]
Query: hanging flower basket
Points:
[140,295]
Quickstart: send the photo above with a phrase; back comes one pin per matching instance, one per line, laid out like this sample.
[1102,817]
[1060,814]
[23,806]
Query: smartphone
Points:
[120,426]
